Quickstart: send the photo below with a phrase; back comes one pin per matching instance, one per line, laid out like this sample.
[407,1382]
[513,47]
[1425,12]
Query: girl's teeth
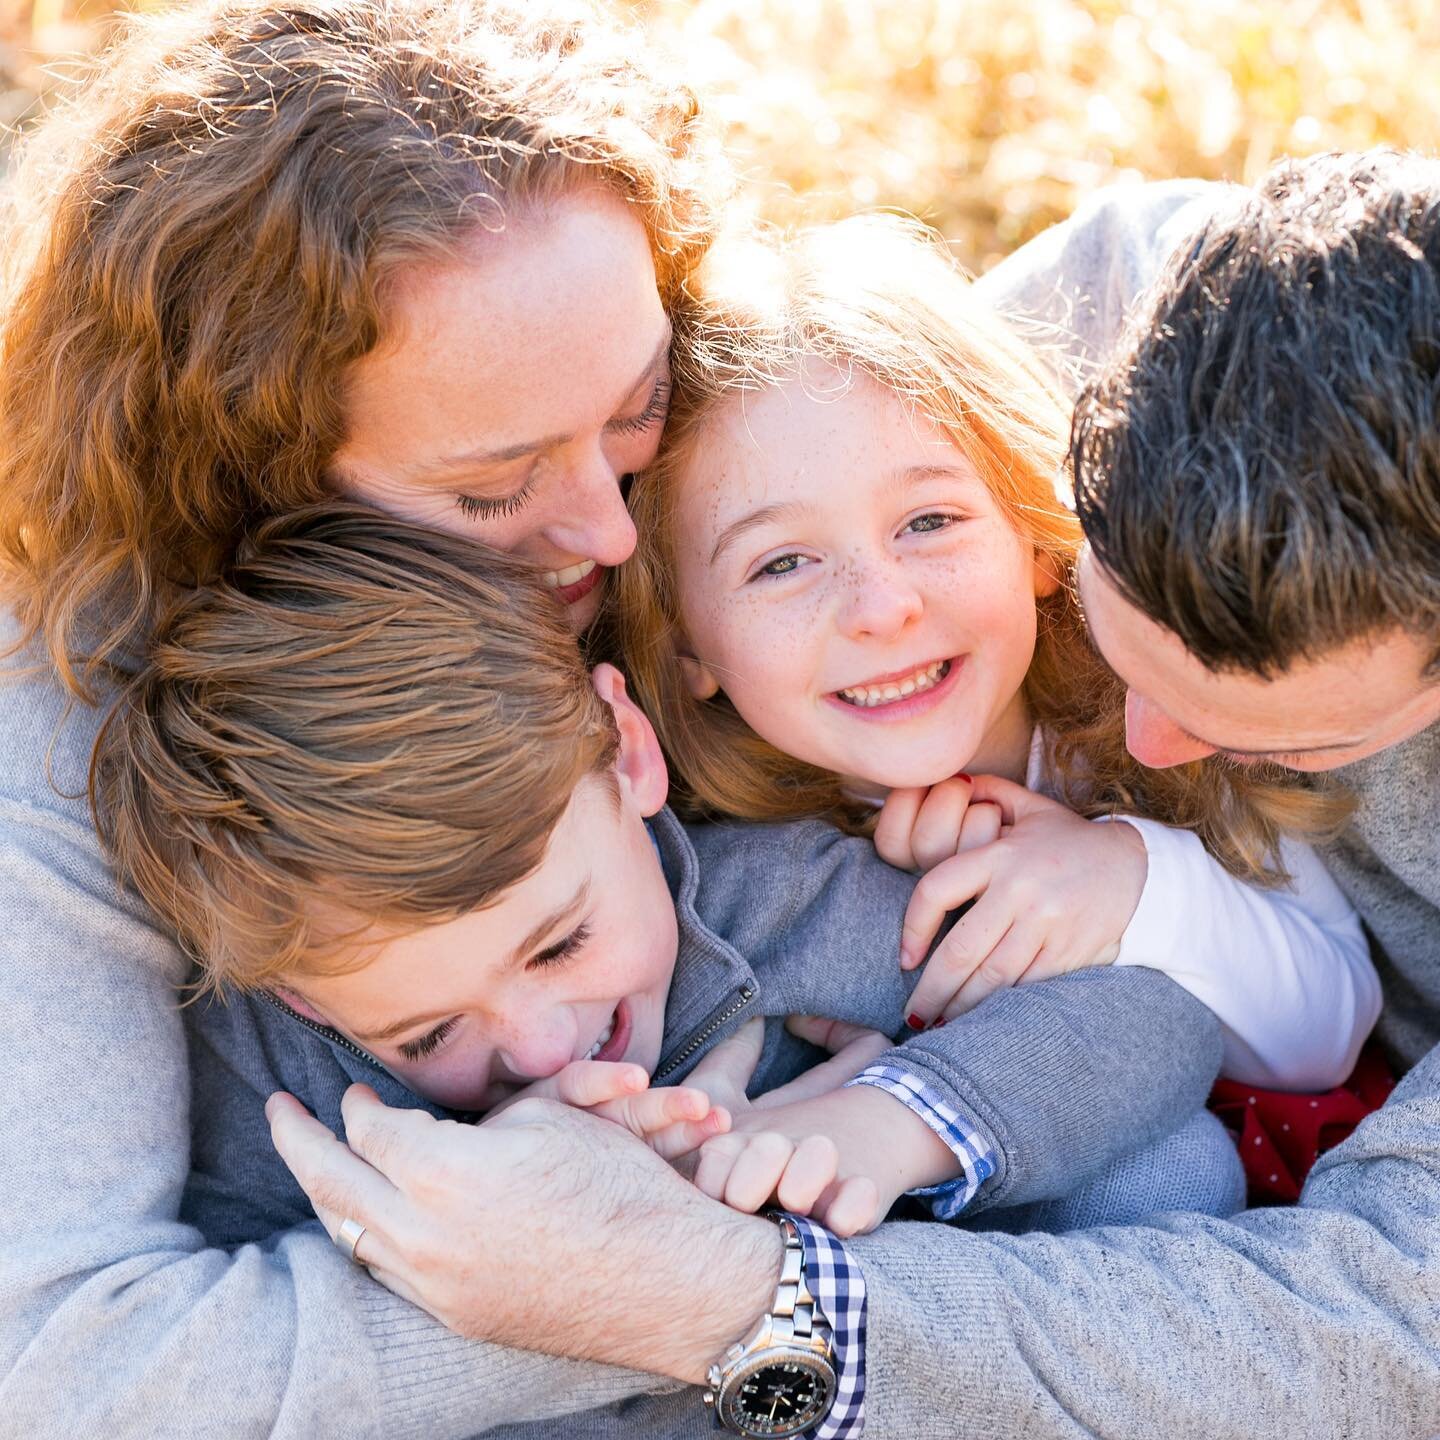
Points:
[570,576]
[922,680]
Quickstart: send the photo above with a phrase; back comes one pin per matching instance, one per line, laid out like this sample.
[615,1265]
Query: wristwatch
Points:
[781,1380]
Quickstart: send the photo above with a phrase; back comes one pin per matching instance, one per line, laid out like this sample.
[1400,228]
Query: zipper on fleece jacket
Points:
[324,1031]
[727,1011]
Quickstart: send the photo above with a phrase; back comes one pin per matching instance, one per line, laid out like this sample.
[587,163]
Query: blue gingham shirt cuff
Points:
[977,1159]
[835,1279]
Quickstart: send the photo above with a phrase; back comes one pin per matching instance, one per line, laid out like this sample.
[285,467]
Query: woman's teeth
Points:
[892,690]
[604,1039]
[573,575]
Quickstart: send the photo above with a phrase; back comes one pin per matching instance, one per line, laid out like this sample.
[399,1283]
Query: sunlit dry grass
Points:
[991,117]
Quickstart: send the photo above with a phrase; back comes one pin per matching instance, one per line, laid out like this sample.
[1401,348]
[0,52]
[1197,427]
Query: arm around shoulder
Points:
[115,1312]
[1321,1319]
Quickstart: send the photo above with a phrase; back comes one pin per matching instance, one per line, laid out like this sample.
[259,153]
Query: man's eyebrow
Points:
[526,447]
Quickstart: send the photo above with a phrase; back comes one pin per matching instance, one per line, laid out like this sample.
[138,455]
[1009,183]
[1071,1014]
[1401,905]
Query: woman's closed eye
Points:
[492,507]
[657,407]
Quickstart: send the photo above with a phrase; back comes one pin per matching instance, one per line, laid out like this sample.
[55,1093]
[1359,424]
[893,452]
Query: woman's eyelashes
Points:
[654,413]
[492,507]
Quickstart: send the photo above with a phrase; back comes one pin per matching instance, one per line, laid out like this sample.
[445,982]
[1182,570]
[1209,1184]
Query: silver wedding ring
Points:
[347,1237]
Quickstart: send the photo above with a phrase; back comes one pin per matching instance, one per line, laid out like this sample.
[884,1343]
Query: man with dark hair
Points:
[1257,459]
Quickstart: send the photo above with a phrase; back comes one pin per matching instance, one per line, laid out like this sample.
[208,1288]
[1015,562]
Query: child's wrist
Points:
[906,1154]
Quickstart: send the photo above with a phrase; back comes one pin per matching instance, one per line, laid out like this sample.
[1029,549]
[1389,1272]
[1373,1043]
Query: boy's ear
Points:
[639,767]
[700,681]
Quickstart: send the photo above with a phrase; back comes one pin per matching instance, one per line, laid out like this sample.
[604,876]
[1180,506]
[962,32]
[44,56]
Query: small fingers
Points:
[896,824]
[808,1173]
[851,1207]
[940,822]
[654,1110]
[586,1083]
[687,1136]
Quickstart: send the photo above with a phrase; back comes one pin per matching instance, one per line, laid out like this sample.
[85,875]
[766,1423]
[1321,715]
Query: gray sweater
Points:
[160,1274]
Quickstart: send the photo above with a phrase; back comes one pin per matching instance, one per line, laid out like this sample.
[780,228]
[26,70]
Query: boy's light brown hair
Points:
[362,723]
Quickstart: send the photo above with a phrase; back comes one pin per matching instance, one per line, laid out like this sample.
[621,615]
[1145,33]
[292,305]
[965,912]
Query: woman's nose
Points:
[596,523]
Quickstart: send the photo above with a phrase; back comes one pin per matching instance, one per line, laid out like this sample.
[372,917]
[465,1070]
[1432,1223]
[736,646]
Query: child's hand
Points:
[843,1158]
[672,1120]
[1055,893]
[920,828]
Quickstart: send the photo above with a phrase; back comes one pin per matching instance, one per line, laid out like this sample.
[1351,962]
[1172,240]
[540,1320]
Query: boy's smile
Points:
[572,962]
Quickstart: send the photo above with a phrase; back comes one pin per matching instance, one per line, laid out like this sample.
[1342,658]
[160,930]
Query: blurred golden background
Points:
[990,118]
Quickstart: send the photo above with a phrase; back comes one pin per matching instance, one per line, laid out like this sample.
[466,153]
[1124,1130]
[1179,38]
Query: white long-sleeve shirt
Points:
[1286,971]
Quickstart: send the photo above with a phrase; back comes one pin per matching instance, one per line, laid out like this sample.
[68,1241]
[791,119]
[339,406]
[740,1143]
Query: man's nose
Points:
[1154,739]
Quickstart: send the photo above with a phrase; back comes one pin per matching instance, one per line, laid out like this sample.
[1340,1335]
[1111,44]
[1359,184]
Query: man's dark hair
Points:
[1258,470]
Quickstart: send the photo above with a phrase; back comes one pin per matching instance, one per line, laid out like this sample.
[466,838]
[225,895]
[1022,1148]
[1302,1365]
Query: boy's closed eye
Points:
[423,1046]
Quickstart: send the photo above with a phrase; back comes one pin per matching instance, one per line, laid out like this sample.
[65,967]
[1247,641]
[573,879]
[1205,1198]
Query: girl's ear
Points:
[1047,574]
[699,680]
[640,766]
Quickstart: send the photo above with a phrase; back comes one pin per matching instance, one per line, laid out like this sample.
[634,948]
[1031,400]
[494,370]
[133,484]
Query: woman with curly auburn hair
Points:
[414,252]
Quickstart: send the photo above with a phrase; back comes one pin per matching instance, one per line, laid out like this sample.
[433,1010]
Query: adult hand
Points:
[543,1228]
[1055,893]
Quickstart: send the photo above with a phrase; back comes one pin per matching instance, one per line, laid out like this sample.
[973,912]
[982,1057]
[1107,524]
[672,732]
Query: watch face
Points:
[778,1397]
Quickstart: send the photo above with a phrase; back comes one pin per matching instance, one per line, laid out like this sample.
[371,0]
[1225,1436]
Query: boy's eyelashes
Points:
[430,1042]
[562,950]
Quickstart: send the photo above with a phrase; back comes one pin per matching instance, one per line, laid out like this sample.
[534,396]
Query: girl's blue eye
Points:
[782,565]
[430,1042]
[925,524]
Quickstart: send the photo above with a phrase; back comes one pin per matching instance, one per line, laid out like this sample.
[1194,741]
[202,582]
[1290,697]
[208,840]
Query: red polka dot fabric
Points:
[1280,1135]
